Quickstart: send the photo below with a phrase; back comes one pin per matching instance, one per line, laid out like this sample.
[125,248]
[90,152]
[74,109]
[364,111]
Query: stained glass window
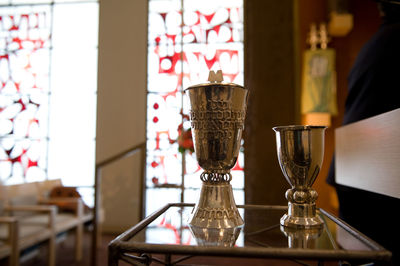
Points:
[48,84]
[186,39]
[24,87]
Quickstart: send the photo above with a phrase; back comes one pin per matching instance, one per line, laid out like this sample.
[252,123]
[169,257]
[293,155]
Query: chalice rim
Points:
[297,127]
[215,85]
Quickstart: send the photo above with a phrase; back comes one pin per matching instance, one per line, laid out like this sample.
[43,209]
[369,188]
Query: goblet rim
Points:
[202,85]
[297,127]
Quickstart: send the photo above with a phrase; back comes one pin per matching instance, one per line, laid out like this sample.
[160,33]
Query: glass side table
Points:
[165,237]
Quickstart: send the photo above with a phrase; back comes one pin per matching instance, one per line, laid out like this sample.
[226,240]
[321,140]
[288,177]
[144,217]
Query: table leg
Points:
[168,259]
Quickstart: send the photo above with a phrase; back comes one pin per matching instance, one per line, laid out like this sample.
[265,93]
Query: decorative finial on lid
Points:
[215,77]
[324,38]
[312,38]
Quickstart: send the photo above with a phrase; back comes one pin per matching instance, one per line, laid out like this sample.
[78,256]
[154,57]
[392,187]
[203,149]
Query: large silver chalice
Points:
[300,154]
[217,120]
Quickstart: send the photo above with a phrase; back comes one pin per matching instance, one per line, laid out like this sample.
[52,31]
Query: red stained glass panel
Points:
[24,65]
[187,39]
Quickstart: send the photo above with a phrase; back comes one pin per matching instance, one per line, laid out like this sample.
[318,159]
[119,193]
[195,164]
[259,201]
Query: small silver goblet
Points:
[300,154]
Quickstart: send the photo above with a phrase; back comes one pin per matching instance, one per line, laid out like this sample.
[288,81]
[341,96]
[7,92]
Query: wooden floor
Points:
[65,256]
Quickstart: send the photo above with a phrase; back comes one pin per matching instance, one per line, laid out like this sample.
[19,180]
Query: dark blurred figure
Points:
[374,88]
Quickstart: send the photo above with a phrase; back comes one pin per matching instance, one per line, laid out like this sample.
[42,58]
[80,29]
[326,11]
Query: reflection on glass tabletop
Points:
[168,231]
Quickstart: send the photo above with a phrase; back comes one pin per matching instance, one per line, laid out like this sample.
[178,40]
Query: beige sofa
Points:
[9,244]
[32,218]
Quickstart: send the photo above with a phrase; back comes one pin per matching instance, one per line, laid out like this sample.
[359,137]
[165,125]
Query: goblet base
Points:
[216,207]
[302,238]
[221,237]
[301,216]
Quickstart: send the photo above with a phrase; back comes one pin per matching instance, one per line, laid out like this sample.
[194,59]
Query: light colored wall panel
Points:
[121,194]
[368,154]
[122,77]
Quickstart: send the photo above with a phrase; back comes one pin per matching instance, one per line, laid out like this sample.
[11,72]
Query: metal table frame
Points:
[120,247]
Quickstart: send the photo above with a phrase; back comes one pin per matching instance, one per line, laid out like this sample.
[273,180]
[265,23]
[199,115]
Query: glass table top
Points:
[168,231]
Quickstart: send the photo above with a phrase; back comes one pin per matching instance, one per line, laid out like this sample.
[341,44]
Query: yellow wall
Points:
[366,22]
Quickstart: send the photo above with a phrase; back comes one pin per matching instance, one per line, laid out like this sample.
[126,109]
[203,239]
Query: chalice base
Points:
[302,238]
[216,207]
[301,216]
[220,237]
